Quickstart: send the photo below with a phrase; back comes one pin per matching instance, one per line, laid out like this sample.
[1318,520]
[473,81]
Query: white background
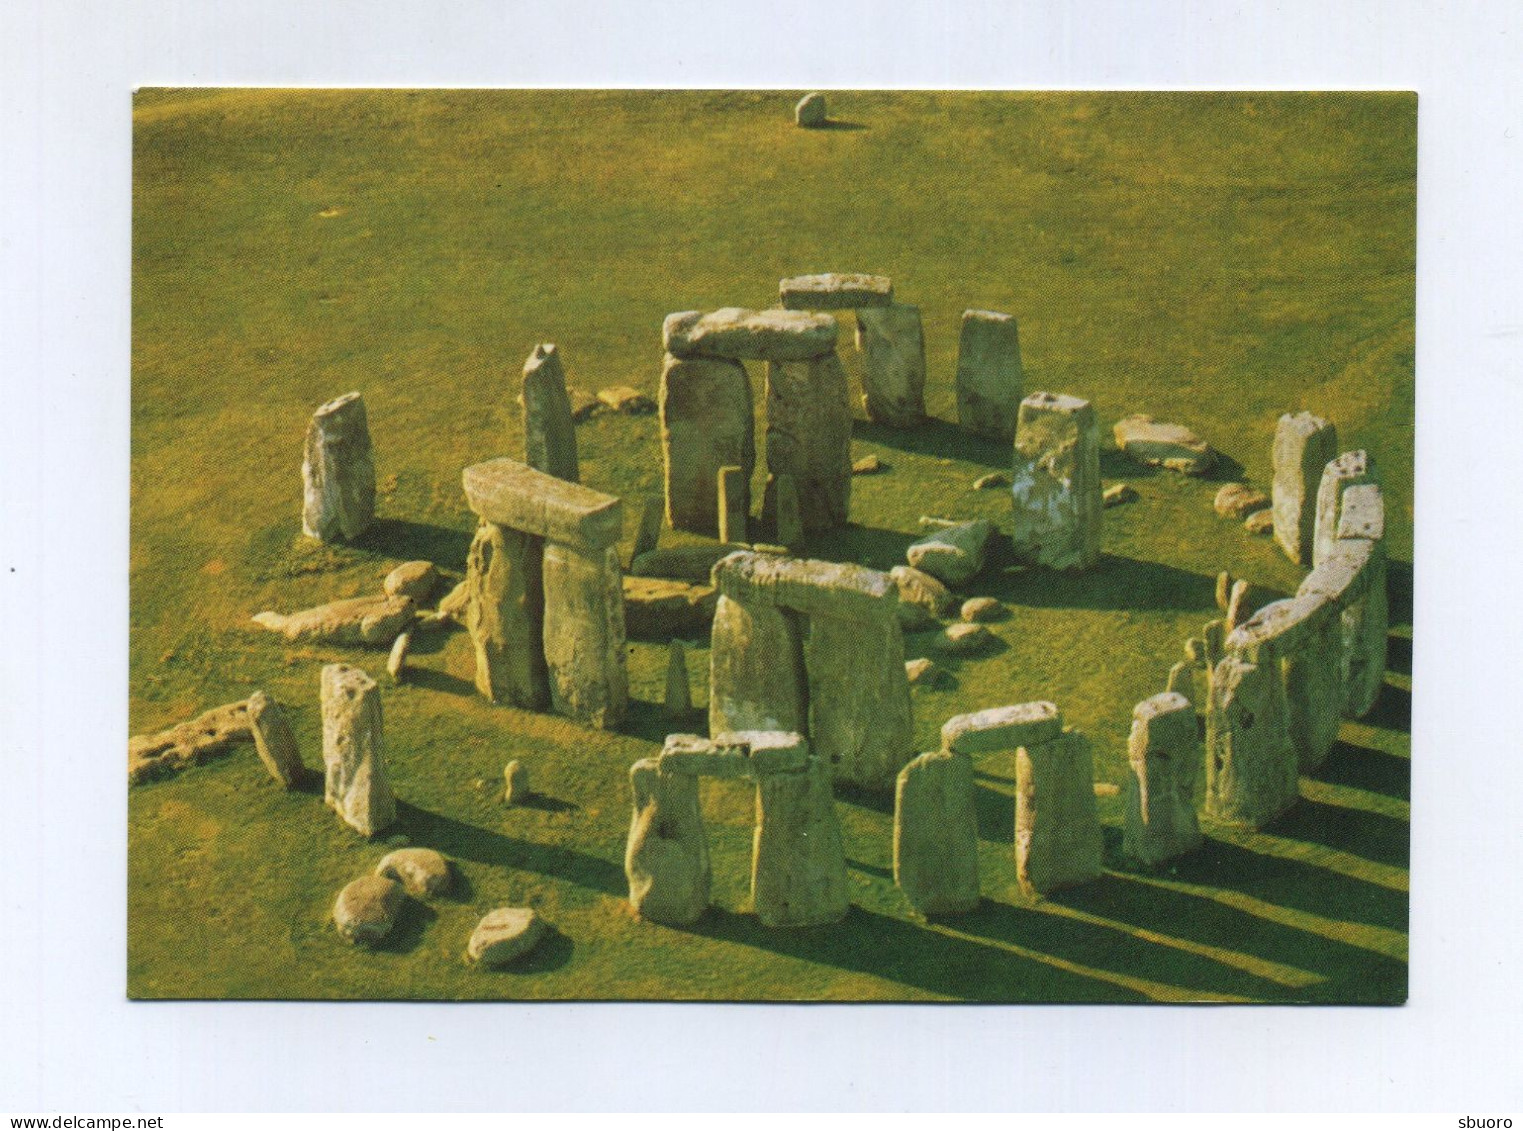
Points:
[70,1042]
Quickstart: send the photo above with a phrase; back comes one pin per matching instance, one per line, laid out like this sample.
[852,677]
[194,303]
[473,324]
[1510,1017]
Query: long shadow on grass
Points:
[936,438]
[1372,836]
[1115,583]
[872,546]
[416,541]
[1363,768]
[1399,654]
[1393,710]
[1399,591]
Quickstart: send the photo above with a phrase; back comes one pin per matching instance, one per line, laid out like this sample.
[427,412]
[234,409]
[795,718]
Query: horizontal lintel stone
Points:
[750,335]
[836,291]
[832,589]
[1002,728]
[515,495]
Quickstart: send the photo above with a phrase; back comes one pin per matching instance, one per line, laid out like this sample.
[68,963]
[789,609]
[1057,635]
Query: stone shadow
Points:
[1359,767]
[1371,836]
[1393,710]
[1399,591]
[1115,584]
[996,814]
[1399,654]
[939,439]
[553,951]
[416,541]
[871,546]
[413,922]
[435,680]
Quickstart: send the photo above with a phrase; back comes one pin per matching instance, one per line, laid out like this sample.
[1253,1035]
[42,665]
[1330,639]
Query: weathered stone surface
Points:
[1281,626]
[683,563]
[1241,603]
[356,620]
[964,639]
[869,464]
[953,554]
[1118,494]
[736,754]
[1182,680]
[1058,842]
[734,499]
[505,935]
[422,872]
[1349,471]
[798,863]
[706,424]
[549,431]
[1002,728]
[1363,513]
[1365,629]
[982,609]
[505,615]
[515,783]
[1195,650]
[1156,444]
[417,580]
[756,669]
[810,111]
[785,506]
[679,694]
[923,672]
[994,481]
[366,910]
[922,599]
[1214,637]
[988,374]
[623,399]
[1160,794]
[1250,765]
[456,602]
[1313,674]
[836,291]
[809,437]
[354,758]
[1344,575]
[274,740]
[516,496]
[860,717]
[1259,522]
[1224,583]
[893,376]
[667,855]
[338,471]
[396,662]
[584,634]
[1056,476]
[648,536]
[1303,445]
[658,608]
[155,755]
[760,335]
[584,405]
[936,834]
[1238,500]
[836,589]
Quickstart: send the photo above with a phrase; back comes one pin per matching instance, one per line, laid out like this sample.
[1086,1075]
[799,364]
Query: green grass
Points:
[1212,259]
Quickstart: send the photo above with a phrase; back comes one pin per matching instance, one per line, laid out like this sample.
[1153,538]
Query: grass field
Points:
[1211,259]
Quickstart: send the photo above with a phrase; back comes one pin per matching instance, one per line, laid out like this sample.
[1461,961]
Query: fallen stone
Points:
[456,602]
[505,935]
[809,428]
[989,374]
[357,620]
[396,663]
[706,424]
[338,472]
[1156,444]
[1163,752]
[679,694]
[893,372]
[549,432]
[798,863]
[666,858]
[505,614]
[422,872]
[417,580]
[355,784]
[155,755]
[1238,500]
[867,465]
[936,834]
[982,609]
[1117,494]
[834,291]
[810,111]
[428,619]
[1058,841]
[274,740]
[760,335]
[515,783]
[584,405]
[685,563]
[367,909]
[659,608]
[1056,491]
[1259,522]
[964,639]
[1303,445]
[954,554]
[994,481]
[1002,728]
[584,634]
[516,496]
[629,402]
[922,599]
[923,672]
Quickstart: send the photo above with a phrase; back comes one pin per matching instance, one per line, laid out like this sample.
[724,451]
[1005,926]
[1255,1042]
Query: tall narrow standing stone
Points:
[893,377]
[667,856]
[338,471]
[274,740]
[1160,795]
[936,834]
[706,424]
[756,670]
[798,863]
[1251,773]
[809,437]
[733,494]
[679,693]
[1314,693]
[988,374]
[584,634]
[1056,482]
[505,615]
[790,525]
[355,784]
[1303,445]
[549,431]
[1058,842]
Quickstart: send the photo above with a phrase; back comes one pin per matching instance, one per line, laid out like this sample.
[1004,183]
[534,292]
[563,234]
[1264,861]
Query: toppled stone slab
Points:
[989,374]
[1157,444]
[1118,494]
[1238,500]
[422,872]
[1056,483]
[357,620]
[666,858]
[834,589]
[1163,751]
[659,608]
[994,481]
[922,598]
[505,935]
[274,740]
[936,834]
[893,374]
[964,639]
[953,554]
[809,113]
[417,580]
[367,909]
[515,495]
[1002,728]
[355,783]
[155,755]
[836,291]
[982,610]
[628,401]
[1303,445]
[1058,841]
[693,563]
[759,335]
[549,431]
[338,471]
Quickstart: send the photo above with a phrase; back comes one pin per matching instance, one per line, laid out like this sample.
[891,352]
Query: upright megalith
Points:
[1303,445]
[706,424]
[1056,482]
[275,741]
[893,377]
[679,692]
[1058,841]
[936,834]
[505,615]
[798,862]
[1164,752]
[666,858]
[809,437]
[1251,768]
[835,290]
[756,669]
[989,374]
[810,111]
[1351,517]
[354,759]
[648,534]
[860,717]
[549,431]
[1306,634]
[338,472]
[789,523]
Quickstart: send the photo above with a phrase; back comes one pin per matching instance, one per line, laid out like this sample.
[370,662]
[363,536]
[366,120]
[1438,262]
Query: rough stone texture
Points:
[936,834]
[988,374]
[1170,446]
[505,615]
[809,437]
[417,580]
[923,671]
[354,758]
[706,424]
[834,589]
[679,695]
[667,855]
[1002,728]
[1160,795]
[1214,637]
[836,291]
[736,754]
[994,481]
[505,935]
[1259,522]
[1056,478]
[1303,445]
[658,608]
[648,536]
[810,111]
[760,335]
[516,496]
[785,505]
[366,910]
[798,863]
[1241,603]
[979,609]
[964,639]
[338,472]
[456,603]
[1313,674]
[1182,680]
[1224,582]
[1250,765]
[155,755]
[860,718]
[893,375]
[549,431]
[756,669]
[1238,500]
[1058,842]
[1349,471]
[922,599]
[1118,494]
[683,563]
[623,399]
[274,740]
[953,554]
[584,634]
[422,872]
[868,465]
[396,663]
[733,497]
[357,620]
[515,783]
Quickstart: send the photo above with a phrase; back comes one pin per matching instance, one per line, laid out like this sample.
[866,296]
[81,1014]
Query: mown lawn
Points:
[1211,259]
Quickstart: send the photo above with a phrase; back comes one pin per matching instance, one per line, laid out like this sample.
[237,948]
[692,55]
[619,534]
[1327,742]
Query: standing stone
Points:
[584,634]
[893,376]
[1160,796]
[1348,471]
[1303,445]
[679,694]
[1250,766]
[1240,604]
[505,615]
[733,499]
[988,374]
[274,740]
[667,856]
[338,472]
[1313,673]
[810,111]
[936,834]
[515,783]
[790,524]
[648,537]
[798,863]
[549,431]
[756,669]
[706,424]
[809,437]
[354,750]
[860,716]
[1058,842]
[1224,583]
[396,662]
[1056,482]
[1182,680]
[1351,511]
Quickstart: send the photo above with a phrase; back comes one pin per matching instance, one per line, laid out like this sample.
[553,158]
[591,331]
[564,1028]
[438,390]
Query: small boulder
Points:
[1260,522]
[630,402]
[964,639]
[397,661]
[810,111]
[1238,500]
[985,609]
[412,579]
[584,405]
[367,909]
[868,465]
[953,554]
[923,672]
[503,935]
[422,872]
[1118,493]
[922,599]
[515,783]
[1172,446]
[994,481]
